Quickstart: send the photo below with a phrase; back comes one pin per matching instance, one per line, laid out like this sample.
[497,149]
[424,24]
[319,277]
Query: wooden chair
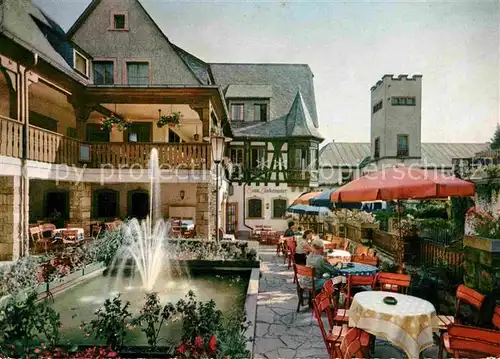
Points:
[496,318]
[69,236]
[337,243]
[36,234]
[335,334]
[280,246]
[470,342]
[329,246]
[463,295]
[393,282]
[310,288]
[356,344]
[358,281]
[340,316]
[291,245]
[365,259]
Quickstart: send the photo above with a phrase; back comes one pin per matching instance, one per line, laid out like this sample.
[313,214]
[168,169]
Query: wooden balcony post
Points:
[82,113]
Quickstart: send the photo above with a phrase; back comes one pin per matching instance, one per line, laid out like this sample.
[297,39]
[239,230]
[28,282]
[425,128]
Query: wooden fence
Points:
[432,253]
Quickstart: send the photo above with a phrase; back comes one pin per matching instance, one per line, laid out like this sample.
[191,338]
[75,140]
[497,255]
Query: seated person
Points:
[300,231]
[290,232]
[316,259]
[302,247]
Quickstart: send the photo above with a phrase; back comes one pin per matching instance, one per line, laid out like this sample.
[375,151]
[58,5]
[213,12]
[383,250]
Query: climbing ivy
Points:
[459,207]
[491,188]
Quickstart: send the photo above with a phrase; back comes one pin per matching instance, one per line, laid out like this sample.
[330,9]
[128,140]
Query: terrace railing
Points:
[11,137]
[52,147]
[136,155]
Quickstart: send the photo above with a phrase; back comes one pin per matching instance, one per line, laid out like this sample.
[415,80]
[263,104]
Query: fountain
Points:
[145,251]
[144,242]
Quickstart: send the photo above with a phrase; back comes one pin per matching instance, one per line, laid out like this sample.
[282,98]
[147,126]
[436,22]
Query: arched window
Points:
[105,203]
[57,205]
[138,204]
[254,208]
[279,207]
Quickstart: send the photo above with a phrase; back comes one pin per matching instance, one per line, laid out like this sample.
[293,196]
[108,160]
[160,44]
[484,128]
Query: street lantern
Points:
[217,143]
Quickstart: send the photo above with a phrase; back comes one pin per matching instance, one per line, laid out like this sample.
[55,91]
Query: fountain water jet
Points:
[144,242]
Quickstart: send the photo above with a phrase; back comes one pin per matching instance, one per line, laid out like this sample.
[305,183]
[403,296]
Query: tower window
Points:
[377,107]
[402,150]
[376,154]
[403,101]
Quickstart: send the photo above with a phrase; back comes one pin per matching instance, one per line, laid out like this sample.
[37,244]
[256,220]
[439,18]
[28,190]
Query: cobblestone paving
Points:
[281,332]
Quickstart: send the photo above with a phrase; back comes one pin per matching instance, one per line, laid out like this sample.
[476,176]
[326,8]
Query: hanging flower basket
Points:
[113,123]
[171,120]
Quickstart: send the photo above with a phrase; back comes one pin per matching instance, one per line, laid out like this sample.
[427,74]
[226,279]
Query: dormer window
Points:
[119,21]
[81,63]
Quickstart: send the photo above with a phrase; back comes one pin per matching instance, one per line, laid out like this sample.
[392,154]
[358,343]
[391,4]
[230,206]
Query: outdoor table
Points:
[338,255]
[407,324]
[359,269]
[56,233]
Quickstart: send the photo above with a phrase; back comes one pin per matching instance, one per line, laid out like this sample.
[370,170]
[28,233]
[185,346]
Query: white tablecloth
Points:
[57,232]
[339,255]
[408,324]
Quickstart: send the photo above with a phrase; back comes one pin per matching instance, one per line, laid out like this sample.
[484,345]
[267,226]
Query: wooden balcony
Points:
[11,140]
[170,156]
[51,147]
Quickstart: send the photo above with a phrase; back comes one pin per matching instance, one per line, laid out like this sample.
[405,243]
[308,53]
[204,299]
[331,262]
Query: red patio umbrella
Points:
[402,183]
[304,198]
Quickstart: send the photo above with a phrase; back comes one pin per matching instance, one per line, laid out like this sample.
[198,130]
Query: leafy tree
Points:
[495,141]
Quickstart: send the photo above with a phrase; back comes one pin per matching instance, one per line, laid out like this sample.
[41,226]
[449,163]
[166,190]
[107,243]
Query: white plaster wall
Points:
[267,194]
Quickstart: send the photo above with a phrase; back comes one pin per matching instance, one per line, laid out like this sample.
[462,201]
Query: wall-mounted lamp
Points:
[196,135]
[182,194]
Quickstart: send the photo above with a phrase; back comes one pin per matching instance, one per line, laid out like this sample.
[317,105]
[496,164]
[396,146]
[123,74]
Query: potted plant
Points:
[171,120]
[113,122]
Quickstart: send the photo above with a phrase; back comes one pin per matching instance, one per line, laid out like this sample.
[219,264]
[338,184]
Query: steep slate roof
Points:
[199,68]
[249,91]
[299,122]
[351,154]
[284,79]
[22,21]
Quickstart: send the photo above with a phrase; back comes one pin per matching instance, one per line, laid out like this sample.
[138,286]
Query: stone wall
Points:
[205,210]
[482,264]
[10,218]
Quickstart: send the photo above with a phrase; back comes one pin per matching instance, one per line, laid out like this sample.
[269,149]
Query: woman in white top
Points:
[303,247]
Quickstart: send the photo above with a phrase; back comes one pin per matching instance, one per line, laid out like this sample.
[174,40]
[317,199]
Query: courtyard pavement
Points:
[283,333]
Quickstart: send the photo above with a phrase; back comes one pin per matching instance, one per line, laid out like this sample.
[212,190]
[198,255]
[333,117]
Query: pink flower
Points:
[213,344]
[182,348]
[198,341]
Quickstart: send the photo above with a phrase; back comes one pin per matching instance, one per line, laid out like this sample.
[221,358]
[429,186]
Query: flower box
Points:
[64,280]
[92,268]
[486,244]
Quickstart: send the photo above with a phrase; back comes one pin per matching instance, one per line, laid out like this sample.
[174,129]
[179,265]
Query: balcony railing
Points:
[11,137]
[137,155]
[51,147]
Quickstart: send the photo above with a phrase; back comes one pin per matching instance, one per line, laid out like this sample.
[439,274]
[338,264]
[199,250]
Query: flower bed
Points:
[205,331]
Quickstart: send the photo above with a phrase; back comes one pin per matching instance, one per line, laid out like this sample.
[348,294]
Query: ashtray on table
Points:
[390,300]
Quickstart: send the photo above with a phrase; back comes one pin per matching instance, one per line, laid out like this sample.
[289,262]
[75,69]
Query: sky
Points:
[349,46]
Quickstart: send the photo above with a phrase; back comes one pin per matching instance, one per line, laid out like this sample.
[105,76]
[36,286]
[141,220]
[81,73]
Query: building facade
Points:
[60,164]
[396,128]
